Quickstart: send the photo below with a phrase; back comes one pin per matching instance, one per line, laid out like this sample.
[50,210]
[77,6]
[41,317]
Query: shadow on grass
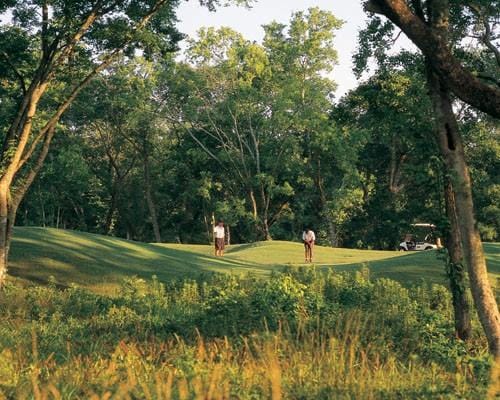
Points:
[242,247]
[91,259]
[409,269]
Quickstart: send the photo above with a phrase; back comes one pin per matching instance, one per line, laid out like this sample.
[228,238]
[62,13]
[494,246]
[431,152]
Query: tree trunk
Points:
[13,206]
[4,221]
[8,212]
[108,224]
[332,229]
[149,199]
[43,215]
[58,217]
[255,214]
[265,229]
[332,234]
[265,198]
[207,227]
[455,269]
[452,150]
[21,126]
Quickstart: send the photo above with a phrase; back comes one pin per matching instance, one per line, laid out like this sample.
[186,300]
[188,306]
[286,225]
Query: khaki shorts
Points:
[219,243]
[308,245]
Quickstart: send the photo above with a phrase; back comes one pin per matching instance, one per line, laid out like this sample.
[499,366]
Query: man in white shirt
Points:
[220,235]
[308,238]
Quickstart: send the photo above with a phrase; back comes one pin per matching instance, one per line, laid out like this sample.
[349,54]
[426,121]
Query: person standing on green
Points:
[308,237]
[220,238]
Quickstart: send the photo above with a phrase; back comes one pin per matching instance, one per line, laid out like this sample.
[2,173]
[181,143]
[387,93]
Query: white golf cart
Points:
[413,241]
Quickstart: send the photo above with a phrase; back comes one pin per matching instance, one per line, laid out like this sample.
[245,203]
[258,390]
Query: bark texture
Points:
[456,270]
[452,151]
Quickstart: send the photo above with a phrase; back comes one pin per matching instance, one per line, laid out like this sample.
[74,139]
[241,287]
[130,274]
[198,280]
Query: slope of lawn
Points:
[100,262]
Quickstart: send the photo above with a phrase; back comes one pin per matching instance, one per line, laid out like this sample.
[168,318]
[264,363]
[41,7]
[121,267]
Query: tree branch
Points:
[68,48]
[486,37]
[20,157]
[19,76]
[24,184]
[45,27]
[461,81]
[489,78]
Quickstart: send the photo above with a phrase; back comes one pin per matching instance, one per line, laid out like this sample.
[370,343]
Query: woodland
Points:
[108,127]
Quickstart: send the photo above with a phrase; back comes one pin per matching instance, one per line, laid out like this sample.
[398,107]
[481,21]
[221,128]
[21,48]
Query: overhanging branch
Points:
[436,48]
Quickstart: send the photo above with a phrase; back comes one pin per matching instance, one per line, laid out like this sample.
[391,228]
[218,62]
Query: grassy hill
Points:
[100,262]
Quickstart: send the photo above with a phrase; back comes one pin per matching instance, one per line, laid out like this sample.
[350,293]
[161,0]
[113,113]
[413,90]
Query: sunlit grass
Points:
[300,335]
[269,367]
[100,262]
[300,363]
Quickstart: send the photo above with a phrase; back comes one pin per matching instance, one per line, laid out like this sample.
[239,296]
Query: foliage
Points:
[300,334]
[401,176]
[249,133]
[483,152]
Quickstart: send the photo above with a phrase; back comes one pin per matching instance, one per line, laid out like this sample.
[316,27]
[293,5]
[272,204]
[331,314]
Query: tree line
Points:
[252,133]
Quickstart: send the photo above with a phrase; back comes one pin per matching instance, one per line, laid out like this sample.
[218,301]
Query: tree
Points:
[220,112]
[394,107]
[55,43]
[451,146]
[252,107]
[103,116]
[411,18]
[455,269]
[482,148]
[430,29]
[53,50]
[66,193]
[398,175]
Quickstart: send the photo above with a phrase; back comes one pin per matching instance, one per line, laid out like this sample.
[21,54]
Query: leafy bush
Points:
[305,333]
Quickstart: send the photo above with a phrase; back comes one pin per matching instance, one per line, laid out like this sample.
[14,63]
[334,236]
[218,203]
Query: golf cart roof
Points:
[424,225]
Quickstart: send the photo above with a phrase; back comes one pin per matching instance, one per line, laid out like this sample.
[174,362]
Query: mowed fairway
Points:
[100,262]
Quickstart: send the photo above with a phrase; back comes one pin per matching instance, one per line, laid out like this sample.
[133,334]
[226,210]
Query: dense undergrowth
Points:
[297,335]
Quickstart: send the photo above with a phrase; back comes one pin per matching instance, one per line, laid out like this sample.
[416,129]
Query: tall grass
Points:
[299,335]
[269,368]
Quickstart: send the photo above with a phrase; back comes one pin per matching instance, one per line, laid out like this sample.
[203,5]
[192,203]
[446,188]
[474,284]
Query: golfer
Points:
[220,238]
[308,237]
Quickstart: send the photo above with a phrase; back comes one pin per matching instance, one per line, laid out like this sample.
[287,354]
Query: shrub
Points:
[309,334]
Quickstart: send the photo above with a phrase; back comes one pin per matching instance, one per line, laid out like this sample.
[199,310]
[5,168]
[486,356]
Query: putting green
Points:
[101,262]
